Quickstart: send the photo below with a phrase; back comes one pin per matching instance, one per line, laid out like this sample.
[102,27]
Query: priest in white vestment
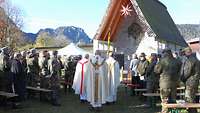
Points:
[113,80]
[83,71]
[96,92]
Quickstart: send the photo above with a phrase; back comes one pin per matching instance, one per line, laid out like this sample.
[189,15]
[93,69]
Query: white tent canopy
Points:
[72,49]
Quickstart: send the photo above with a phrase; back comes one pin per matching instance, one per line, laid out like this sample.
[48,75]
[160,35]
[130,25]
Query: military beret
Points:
[187,49]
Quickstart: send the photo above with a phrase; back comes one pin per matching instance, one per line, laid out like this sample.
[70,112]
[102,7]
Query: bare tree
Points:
[10,24]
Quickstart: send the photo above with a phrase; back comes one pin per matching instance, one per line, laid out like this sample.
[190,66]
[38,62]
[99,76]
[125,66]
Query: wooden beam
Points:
[106,30]
[119,22]
[107,18]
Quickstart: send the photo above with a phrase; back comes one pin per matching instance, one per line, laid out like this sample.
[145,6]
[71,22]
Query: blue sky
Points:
[88,14]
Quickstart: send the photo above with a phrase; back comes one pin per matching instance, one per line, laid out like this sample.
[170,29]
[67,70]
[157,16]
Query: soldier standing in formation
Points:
[190,75]
[69,68]
[152,79]
[33,68]
[5,76]
[45,72]
[168,68]
[55,78]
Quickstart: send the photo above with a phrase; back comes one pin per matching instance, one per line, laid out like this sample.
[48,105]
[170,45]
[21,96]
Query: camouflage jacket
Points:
[190,71]
[151,75]
[5,63]
[54,68]
[169,70]
[33,65]
[142,67]
[44,67]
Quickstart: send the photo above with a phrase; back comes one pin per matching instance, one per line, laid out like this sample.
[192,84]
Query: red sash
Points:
[82,76]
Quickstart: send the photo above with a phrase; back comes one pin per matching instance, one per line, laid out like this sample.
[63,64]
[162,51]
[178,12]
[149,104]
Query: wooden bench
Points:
[8,98]
[158,94]
[176,108]
[7,95]
[139,91]
[41,91]
[155,95]
[38,89]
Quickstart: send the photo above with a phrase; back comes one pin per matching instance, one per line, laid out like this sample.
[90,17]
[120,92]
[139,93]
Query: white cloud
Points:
[34,24]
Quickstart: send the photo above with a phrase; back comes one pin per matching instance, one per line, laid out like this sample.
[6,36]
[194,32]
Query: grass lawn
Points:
[71,104]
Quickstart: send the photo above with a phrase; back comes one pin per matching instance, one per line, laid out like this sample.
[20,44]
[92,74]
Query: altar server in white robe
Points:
[96,92]
[113,80]
[83,71]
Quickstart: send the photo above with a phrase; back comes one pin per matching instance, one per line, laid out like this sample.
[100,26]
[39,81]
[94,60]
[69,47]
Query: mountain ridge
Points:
[76,34]
[71,33]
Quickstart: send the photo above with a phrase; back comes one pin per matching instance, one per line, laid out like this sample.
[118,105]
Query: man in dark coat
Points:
[190,75]
[24,74]
[18,73]
[168,68]
[142,69]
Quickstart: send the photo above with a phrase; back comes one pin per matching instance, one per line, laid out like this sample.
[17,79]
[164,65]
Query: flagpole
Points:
[109,37]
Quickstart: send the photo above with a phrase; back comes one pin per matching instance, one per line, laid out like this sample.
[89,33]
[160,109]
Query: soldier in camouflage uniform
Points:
[152,79]
[168,68]
[190,74]
[33,68]
[70,68]
[5,75]
[45,73]
[54,67]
